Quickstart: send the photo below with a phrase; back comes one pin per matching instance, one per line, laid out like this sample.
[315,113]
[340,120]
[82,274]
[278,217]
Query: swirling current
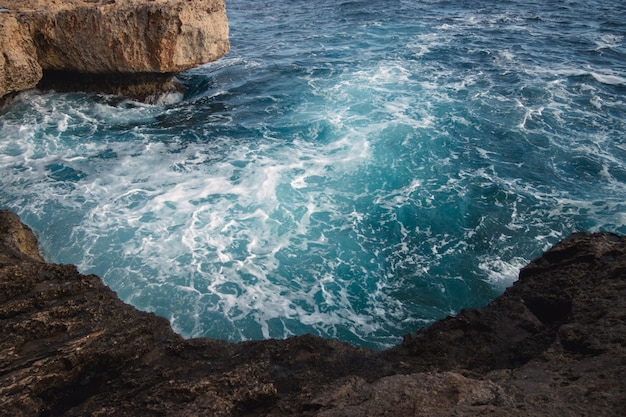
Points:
[352,169]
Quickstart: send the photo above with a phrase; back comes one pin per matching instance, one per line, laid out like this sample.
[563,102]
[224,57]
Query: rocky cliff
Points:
[124,46]
[19,69]
[554,344]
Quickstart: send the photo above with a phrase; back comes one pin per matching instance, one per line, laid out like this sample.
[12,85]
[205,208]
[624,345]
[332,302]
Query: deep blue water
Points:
[353,169]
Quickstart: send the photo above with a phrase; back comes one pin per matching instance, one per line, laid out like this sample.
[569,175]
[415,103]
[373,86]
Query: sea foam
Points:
[355,170]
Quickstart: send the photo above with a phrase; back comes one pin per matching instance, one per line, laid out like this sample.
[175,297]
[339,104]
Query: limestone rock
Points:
[126,36]
[19,69]
[553,344]
[123,41]
[419,394]
[16,239]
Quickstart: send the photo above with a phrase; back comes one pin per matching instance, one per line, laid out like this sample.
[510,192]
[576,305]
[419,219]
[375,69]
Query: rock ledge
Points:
[133,42]
[553,344]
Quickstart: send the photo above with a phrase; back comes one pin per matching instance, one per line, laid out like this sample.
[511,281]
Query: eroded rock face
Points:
[126,36]
[19,69]
[554,344]
[126,40]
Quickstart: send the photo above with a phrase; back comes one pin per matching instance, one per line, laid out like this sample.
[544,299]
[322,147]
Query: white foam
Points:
[609,77]
[165,99]
[334,208]
[609,41]
[499,273]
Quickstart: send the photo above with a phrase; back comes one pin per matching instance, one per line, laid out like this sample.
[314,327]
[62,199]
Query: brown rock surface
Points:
[553,344]
[131,39]
[19,69]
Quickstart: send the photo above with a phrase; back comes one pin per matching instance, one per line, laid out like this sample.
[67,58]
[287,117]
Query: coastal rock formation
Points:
[19,69]
[553,344]
[107,44]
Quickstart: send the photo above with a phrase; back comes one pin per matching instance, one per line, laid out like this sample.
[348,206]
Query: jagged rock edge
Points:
[70,347]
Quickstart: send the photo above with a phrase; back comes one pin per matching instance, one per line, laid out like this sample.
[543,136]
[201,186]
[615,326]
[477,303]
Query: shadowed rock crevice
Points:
[139,86]
[553,344]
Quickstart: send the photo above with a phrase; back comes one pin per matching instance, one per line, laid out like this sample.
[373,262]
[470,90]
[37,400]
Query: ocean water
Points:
[352,169]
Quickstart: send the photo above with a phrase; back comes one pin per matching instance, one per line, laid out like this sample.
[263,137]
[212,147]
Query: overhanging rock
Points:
[117,41]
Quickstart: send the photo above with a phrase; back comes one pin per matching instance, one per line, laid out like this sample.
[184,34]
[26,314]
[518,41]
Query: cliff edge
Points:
[132,47]
[553,344]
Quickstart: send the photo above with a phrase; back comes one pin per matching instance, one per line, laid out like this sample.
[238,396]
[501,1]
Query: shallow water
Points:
[355,170]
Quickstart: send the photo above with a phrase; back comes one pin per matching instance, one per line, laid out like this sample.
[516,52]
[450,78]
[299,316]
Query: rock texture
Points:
[553,345]
[120,41]
[19,69]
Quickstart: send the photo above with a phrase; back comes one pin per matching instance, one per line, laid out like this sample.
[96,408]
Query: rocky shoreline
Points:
[553,344]
[129,47]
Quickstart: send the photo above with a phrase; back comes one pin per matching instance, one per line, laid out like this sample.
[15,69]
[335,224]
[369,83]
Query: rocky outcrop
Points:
[553,344]
[107,44]
[19,69]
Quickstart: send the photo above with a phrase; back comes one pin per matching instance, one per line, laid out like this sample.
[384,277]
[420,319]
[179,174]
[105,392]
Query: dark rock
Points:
[140,86]
[553,344]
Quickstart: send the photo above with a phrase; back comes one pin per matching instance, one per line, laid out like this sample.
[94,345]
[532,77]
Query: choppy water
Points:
[353,169]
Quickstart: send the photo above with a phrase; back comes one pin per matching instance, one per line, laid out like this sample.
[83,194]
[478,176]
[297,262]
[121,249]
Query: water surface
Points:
[353,169]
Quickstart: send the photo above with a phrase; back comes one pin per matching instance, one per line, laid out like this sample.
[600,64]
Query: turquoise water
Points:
[355,170]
